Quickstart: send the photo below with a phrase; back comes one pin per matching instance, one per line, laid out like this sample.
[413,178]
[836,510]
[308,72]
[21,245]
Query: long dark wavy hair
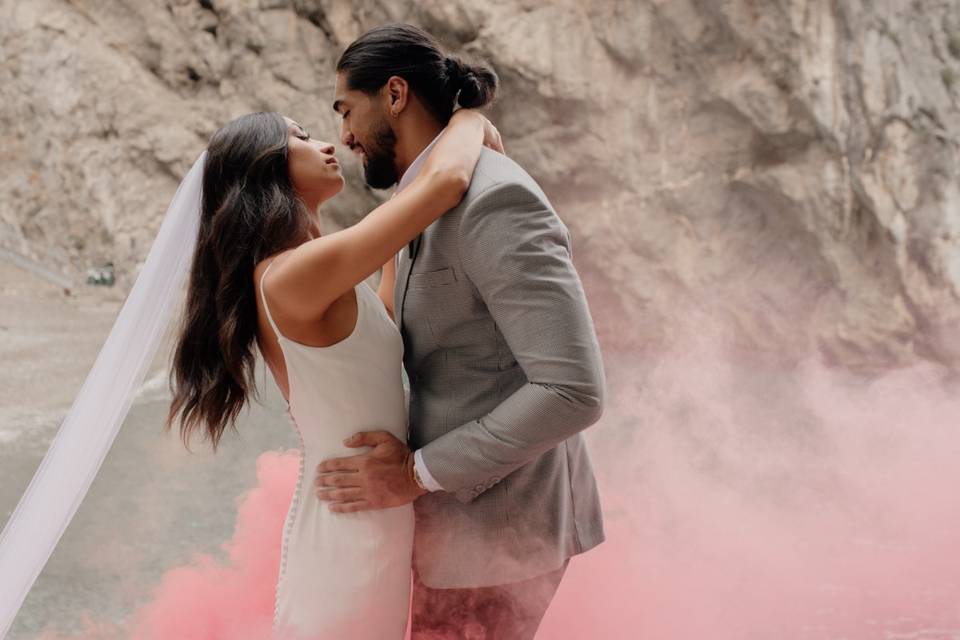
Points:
[249,211]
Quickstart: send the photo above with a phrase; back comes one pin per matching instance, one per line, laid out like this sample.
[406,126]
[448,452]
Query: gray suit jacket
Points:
[505,372]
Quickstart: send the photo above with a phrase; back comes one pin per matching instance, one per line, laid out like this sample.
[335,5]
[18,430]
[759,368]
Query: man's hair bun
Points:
[476,83]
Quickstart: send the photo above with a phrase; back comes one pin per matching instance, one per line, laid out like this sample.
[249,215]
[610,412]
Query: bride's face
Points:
[314,170]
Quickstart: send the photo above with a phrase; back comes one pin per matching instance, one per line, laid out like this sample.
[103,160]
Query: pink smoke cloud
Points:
[206,599]
[743,499]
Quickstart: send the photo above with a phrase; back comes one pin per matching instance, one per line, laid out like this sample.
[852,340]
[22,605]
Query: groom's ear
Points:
[397,94]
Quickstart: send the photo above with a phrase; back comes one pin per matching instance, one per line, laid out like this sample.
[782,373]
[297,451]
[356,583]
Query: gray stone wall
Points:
[787,170]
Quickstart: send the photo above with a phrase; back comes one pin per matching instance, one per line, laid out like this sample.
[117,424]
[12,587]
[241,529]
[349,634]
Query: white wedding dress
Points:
[344,575]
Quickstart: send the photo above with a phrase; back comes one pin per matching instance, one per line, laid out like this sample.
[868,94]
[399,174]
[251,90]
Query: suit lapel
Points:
[400,288]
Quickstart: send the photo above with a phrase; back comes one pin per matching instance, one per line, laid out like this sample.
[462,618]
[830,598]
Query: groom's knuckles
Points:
[349,507]
[339,494]
[338,480]
[360,438]
[351,463]
[372,438]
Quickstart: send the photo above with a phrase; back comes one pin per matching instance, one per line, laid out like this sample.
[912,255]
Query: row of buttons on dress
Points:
[290,514]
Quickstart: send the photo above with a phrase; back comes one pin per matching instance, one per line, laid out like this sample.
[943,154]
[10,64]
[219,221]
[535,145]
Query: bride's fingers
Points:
[350,507]
[492,137]
[340,495]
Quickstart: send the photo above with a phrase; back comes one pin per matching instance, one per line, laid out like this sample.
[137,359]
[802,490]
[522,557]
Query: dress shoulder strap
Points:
[263,297]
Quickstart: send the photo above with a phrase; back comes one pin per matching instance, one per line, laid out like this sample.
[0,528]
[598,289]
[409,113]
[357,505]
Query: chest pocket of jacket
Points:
[431,279]
[436,297]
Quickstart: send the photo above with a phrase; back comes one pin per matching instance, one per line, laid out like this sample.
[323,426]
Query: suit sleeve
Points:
[516,252]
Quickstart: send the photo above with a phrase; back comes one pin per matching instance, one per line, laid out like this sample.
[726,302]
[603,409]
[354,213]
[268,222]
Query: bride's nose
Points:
[327,148]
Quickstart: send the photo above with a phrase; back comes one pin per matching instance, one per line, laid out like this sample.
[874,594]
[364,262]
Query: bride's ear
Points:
[397,94]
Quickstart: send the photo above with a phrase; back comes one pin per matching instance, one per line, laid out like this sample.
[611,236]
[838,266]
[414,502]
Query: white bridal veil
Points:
[90,427]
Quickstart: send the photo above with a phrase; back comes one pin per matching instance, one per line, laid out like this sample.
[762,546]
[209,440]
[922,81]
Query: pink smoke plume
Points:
[206,599]
[743,500]
[748,501]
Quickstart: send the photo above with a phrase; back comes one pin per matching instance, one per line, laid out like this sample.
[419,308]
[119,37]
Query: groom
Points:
[500,351]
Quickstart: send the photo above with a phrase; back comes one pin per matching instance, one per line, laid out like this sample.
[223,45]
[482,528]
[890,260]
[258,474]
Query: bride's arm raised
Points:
[315,274]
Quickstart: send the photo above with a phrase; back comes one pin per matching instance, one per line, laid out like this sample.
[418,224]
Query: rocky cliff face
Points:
[786,171]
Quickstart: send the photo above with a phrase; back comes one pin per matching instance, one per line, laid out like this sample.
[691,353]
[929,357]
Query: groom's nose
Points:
[346,137]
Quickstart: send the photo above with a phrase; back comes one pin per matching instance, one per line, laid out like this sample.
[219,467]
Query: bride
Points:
[246,222]
[264,272]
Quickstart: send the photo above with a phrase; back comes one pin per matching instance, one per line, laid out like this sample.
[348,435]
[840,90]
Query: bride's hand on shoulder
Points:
[491,135]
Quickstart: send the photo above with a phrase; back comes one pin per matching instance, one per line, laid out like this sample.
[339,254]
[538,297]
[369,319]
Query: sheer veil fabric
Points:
[90,427]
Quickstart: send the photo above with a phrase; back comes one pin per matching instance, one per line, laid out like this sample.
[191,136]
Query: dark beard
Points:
[380,171]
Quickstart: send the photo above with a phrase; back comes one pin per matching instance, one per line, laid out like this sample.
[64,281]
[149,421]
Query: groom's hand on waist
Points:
[380,478]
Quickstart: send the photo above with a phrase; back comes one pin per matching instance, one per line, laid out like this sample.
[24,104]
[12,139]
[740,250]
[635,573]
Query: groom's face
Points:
[366,129]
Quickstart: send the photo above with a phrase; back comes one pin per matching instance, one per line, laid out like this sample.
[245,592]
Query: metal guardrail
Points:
[37,269]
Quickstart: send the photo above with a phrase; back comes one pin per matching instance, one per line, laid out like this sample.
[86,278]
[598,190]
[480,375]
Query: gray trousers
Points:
[510,611]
